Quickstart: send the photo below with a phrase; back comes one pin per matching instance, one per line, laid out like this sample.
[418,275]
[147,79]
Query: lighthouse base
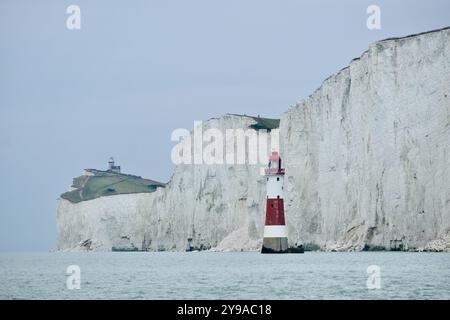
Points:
[275,245]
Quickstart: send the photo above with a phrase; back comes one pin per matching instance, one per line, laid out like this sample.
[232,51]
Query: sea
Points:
[224,275]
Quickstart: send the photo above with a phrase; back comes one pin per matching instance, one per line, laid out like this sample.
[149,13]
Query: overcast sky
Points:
[137,70]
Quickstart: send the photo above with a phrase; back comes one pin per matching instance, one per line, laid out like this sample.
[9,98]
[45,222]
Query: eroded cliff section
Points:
[367,159]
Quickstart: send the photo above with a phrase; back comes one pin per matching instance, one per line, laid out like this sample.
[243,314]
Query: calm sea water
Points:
[213,275]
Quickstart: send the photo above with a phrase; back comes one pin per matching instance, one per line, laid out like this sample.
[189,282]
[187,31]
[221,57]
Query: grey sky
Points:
[137,70]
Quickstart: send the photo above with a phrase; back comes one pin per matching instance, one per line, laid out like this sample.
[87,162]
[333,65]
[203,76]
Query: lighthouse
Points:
[275,232]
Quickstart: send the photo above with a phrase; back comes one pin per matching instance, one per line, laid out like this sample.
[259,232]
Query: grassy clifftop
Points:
[261,123]
[265,123]
[105,183]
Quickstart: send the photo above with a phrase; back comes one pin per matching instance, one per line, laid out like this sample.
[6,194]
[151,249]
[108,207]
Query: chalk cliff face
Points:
[367,160]
[368,154]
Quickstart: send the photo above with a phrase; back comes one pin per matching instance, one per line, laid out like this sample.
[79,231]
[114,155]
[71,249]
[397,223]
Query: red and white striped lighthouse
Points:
[275,232]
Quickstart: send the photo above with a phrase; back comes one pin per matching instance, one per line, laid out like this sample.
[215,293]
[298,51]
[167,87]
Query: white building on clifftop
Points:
[112,167]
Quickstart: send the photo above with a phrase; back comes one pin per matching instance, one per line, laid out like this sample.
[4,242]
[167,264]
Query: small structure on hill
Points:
[112,167]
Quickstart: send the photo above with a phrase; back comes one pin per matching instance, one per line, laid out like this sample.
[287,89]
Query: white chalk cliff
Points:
[367,160]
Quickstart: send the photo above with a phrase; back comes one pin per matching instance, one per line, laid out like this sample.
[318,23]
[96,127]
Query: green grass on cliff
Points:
[105,183]
[265,123]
